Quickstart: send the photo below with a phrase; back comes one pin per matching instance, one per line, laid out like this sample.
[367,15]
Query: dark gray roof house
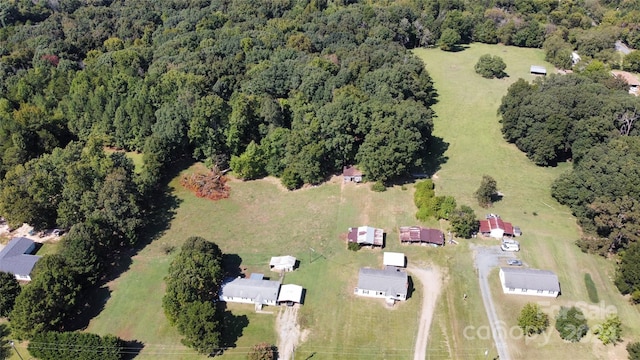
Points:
[16,258]
[524,281]
[387,283]
[254,290]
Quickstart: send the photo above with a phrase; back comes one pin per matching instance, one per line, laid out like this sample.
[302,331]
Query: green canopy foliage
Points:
[50,345]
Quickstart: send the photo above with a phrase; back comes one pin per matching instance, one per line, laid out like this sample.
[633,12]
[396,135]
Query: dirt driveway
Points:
[289,333]
[431,280]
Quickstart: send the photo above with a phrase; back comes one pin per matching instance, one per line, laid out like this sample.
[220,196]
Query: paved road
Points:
[486,258]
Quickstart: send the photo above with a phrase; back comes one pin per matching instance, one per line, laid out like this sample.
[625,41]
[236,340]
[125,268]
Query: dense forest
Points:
[588,118]
[293,89]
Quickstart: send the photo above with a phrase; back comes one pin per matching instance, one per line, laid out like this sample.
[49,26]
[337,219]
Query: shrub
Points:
[291,179]
[378,186]
[262,351]
[591,288]
[571,324]
[353,246]
[532,320]
[610,331]
[633,348]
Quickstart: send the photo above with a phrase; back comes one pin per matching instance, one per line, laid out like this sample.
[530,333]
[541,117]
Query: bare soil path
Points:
[289,332]
[431,280]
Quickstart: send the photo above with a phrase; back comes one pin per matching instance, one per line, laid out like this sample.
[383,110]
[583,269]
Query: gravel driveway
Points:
[431,280]
[486,258]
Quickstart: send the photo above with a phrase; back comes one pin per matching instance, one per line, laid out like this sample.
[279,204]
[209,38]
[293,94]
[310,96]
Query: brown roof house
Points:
[420,235]
[351,174]
[366,235]
[630,79]
[16,258]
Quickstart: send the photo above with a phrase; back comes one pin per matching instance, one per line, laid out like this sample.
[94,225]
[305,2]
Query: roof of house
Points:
[366,235]
[290,292]
[495,222]
[351,171]
[393,259]
[532,279]
[15,257]
[282,261]
[390,281]
[628,77]
[538,69]
[256,289]
[420,234]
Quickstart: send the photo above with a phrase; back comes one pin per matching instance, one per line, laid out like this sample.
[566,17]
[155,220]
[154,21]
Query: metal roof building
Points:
[523,281]
[16,258]
[387,283]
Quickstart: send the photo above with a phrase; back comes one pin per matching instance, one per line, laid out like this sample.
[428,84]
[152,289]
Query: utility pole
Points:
[14,348]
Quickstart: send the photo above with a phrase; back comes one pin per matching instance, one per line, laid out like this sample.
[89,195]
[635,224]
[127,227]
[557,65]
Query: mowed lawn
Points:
[261,220]
[468,121]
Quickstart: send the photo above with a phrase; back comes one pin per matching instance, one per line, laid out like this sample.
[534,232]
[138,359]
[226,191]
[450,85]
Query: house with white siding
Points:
[523,281]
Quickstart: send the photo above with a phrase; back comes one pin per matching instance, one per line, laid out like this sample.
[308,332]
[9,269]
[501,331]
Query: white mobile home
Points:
[522,281]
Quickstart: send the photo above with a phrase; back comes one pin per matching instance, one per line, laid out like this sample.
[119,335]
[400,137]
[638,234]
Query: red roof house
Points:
[494,227]
[420,235]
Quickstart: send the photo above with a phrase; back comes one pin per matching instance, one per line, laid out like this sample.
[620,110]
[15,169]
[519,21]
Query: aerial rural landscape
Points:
[205,150]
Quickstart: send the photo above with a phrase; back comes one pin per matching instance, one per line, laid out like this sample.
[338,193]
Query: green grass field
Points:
[467,120]
[261,220]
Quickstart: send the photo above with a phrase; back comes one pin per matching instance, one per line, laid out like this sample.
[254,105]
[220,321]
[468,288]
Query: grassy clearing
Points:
[261,220]
[468,122]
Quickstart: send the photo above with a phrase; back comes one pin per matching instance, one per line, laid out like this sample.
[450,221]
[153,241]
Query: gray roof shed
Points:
[534,279]
[16,257]
[389,281]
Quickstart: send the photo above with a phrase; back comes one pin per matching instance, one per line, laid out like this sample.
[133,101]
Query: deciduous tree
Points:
[532,320]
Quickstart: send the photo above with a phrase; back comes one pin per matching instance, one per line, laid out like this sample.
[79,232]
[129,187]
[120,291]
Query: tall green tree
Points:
[194,275]
[464,222]
[487,191]
[9,290]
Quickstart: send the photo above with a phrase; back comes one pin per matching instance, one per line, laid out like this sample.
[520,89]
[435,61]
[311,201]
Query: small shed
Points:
[282,263]
[351,174]
[538,70]
[394,259]
[290,294]
[366,235]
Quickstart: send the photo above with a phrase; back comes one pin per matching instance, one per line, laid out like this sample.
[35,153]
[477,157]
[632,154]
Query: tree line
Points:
[589,119]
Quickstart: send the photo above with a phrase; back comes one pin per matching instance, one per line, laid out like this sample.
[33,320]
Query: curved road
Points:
[486,258]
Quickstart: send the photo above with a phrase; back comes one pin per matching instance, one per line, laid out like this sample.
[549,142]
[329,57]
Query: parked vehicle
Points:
[510,245]
[514,262]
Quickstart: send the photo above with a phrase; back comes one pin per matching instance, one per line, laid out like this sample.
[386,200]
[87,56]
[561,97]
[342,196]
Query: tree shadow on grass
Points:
[231,265]
[158,215]
[90,307]
[232,326]
[131,349]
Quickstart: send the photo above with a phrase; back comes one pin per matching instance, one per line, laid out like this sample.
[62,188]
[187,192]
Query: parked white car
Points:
[510,245]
